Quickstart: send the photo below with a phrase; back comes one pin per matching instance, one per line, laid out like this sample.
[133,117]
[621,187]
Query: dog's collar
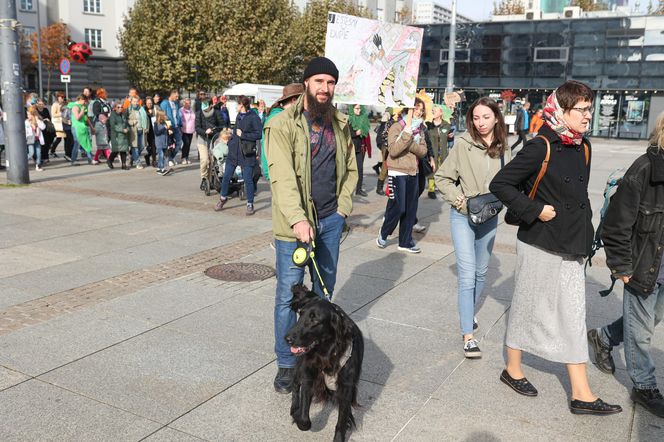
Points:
[331,379]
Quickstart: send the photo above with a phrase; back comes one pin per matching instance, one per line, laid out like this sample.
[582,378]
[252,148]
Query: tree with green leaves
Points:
[508,7]
[310,28]
[211,43]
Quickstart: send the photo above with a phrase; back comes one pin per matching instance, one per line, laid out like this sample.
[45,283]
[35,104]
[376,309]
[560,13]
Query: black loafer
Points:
[598,407]
[521,386]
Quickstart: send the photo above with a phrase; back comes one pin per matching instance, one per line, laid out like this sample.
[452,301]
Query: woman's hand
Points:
[358,132]
[548,213]
[458,203]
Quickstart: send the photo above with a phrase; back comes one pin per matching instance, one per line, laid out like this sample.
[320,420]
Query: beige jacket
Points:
[403,150]
[467,171]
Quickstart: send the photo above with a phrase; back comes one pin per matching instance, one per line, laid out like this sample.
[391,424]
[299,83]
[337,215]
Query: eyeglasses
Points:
[584,110]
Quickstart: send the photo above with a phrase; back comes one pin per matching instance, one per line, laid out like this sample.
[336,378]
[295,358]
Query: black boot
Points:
[651,400]
[379,187]
[283,382]
[377,167]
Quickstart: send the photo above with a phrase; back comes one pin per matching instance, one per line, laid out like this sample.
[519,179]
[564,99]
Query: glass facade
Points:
[623,56]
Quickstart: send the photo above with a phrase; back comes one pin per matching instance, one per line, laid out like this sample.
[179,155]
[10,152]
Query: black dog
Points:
[330,348]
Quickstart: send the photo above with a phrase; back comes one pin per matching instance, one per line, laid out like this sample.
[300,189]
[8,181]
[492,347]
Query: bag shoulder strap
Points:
[586,151]
[545,165]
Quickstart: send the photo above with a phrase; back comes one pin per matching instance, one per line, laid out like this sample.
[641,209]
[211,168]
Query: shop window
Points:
[460,55]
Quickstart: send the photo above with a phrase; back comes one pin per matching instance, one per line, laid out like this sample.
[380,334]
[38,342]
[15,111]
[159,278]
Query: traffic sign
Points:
[65,66]
[65,78]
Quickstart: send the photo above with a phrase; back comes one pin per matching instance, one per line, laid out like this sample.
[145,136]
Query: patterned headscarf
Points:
[553,117]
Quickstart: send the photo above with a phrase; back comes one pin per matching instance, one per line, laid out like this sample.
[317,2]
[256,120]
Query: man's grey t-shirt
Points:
[323,167]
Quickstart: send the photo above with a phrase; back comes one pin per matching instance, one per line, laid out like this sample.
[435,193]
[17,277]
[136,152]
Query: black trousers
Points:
[522,137]
[359,157]
[69,142]
[123,157]
[186,145]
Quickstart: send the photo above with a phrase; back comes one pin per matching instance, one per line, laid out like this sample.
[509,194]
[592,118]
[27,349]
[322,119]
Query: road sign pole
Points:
[17,158]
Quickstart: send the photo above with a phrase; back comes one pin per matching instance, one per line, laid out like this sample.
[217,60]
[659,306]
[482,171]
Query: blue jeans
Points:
[160,158]
[328,236]
[472,247]
[177,133]
[247,174]
[35,149]
[136,151]
[635,328]
[401,208]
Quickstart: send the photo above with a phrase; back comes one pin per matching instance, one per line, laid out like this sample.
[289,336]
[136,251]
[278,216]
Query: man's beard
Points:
[324,111]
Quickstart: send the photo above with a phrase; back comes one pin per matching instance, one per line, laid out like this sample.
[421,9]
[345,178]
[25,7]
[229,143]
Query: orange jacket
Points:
[535,124]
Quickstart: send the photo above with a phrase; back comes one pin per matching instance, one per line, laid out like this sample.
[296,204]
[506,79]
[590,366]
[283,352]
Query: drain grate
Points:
[240,271]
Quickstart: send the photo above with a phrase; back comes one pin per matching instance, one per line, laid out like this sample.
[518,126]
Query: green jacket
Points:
[119,141]
[288,147]
[467,171]
[266,172]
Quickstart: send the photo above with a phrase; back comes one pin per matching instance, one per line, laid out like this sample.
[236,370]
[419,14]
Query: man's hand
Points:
[548,213]
[432,162]
[303,231]
[358,132]
[625,279]
[208,131]
[238,132]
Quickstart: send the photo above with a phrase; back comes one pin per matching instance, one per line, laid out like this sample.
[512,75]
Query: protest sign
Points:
[378,62]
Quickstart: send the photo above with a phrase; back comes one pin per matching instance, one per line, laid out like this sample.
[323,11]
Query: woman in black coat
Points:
[548,312]
[242,152]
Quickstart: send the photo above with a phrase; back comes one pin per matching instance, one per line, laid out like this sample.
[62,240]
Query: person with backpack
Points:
[99,106]
[522,124]
[359,125]
[548,313]
[633,241]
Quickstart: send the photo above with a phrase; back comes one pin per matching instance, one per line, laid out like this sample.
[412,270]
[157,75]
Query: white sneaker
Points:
[139,165]
[171,163]
[419,228]
[380,242]
[94,163]
[38,169]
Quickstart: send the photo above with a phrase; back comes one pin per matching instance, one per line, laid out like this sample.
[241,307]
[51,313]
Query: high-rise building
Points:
[430,12]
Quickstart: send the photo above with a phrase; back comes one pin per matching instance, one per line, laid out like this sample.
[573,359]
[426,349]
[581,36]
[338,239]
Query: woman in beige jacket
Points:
[406,146]
[471,165]
[56,119]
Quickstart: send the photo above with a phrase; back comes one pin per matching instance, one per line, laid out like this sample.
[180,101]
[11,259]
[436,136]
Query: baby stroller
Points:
[218,153]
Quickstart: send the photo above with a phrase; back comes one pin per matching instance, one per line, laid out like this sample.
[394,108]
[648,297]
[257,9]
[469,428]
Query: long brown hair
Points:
[499,143]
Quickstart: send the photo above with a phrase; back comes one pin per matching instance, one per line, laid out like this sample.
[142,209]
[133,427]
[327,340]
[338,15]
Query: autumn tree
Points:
[590,5]
[508,7]
[53,41]
[656,10]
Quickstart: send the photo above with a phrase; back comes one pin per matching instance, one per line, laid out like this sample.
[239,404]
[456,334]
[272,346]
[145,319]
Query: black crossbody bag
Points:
[482,208]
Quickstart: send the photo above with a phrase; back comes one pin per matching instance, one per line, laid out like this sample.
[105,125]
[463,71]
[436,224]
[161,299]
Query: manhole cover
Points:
[239,271]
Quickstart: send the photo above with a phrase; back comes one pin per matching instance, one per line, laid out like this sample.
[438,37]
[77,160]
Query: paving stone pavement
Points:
[111,331]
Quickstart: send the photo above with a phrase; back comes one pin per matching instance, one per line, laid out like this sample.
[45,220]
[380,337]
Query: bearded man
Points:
[313,174]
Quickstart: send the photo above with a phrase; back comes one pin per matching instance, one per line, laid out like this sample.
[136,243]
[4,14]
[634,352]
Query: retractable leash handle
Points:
[303,255]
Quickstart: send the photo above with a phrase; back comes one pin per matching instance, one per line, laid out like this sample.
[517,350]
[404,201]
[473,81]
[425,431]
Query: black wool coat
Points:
[564,186]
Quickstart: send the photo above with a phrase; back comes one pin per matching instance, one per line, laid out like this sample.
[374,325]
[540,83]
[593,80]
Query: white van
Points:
[266,92]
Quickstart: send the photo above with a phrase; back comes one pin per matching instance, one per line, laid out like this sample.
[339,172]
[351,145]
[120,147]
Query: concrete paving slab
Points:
[42,347]
[13,295]
[170,435]
[160,374]
[405,357]
[24,258]
[244,320]
[36,411]
[9,378]
[167,301]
